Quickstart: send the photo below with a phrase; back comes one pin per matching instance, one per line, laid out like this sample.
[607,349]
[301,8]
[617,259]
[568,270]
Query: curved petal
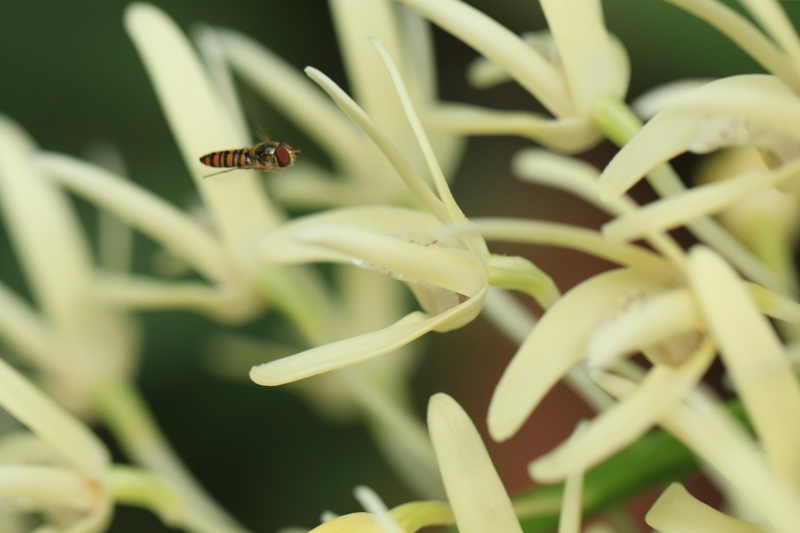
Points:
[735,111]
[608,433]
[52,423]
[676,511]
[557,343]
[656,320]
[403,257]
[48,486]
[363,347]
[351,523]
[200,123]
[153,216]
[291,93]
[585,50]
[568,135]
[702,423]
[754,357]
[280,245]
[698,202]
[500,45]
[476,494]
[576,238]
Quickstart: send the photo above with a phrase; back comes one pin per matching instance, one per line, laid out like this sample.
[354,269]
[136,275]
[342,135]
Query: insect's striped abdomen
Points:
[228,158]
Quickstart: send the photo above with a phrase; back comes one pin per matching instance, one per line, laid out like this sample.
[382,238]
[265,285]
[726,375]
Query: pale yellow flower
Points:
[569,70]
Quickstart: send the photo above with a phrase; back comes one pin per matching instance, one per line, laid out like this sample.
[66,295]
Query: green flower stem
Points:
[519,274]
[656,459]
[139,488]
[125,412]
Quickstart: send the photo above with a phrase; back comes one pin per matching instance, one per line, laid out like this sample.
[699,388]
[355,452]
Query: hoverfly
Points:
[267,157]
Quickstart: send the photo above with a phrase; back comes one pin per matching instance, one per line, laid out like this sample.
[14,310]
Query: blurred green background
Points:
[71,76]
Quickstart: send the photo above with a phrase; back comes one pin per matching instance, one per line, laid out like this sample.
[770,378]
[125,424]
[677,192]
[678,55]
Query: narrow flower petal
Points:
[656,320]
[740,110]
[702,424]
[476,494]
[746,35]
[48,486]
[51,248]
[582,239]
[52,423]
[586,52]
[704,200]
[139,292]
[280,245]
[293,96]
[452,269]
[568,134]
[655,100]
[569,520]
[677,511]
[568,174]
[355,22]
[500,45]
[413,516]
[773,304]
[556,344]
[24,331]
[415,184]
[153,216]
[363,347]
[351,523]
[777,25]
[754,357]
[612,430]
[200,123]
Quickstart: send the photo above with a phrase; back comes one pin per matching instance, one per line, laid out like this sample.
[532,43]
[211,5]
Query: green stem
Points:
[126,414]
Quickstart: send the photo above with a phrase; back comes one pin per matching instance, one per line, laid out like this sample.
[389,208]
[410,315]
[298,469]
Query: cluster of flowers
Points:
[385,214]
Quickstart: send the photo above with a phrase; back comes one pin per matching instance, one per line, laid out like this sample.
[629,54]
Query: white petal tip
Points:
[262,375]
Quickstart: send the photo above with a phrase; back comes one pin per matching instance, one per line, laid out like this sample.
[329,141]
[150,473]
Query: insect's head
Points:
[285,154]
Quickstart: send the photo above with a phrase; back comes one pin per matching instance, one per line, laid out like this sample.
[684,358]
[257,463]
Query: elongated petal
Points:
[754,357]
[668,213]
[48,485]
[500,45]
[280,245]
[775,22]
[351,523]
[452,269]
[585,51]
[476,494]
[52,423]
[582,239]
[153,216]
[96,521]
[617,427]
[677,511]
[46,233]
[702,424]
[568,134]
[24,331]
[140,292]
[200,124]
[556,344]
[295,97]
[735,111]
[651,102]
[364,347]
[656,320]
[413,181]
[746,35]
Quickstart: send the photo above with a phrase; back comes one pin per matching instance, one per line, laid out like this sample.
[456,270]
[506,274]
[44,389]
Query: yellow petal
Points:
[363,347]
[476,494]
[677,511]
[754,357]
[557,343]
[614,429]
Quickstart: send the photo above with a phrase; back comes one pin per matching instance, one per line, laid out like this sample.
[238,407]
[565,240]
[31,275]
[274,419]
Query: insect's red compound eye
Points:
[283,155]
